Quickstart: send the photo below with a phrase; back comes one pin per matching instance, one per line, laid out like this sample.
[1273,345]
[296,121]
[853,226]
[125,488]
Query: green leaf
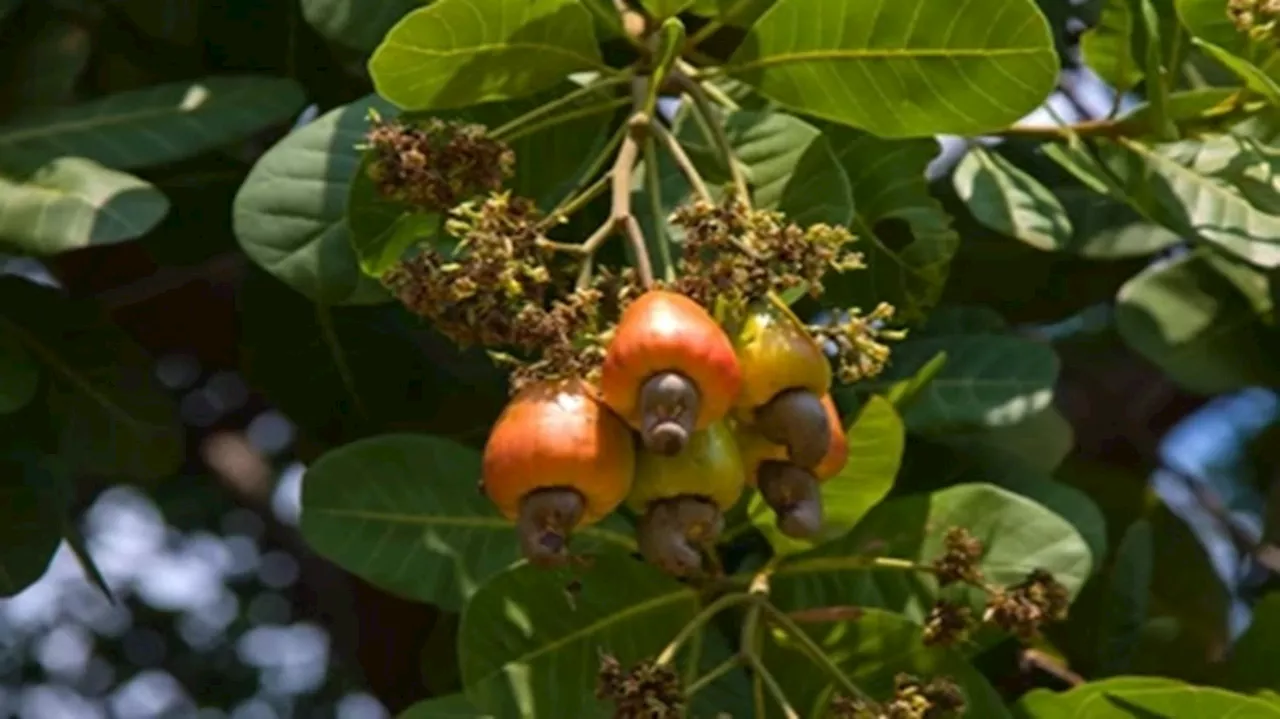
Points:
[54,205]
[1105,229]
[158,124]
[456,53]
[1141,698]
[905,392]
[872,650]
[19,374]
[989,380]
[113,417]
[1019,535]
[1148,48]
[403,511]
[1108,46]
[1251,663]
[912,68]
[454,706]
[357,24]
[1041,440]
[290,213]
[29,531]
[903,231]
[1196,324]
[876,440]
[530,649]
[1129,592]
[950,320]
[8,6]
[1192,187]
[1254,77]
[550,163]
[1008,200]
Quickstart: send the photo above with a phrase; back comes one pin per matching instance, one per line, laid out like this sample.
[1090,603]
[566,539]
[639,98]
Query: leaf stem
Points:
[719,140]
[506,130]
[710,677]
[708,612]
[713,92]
[775,690]
[681,158]
[653,185]
[816,653]
[554,120]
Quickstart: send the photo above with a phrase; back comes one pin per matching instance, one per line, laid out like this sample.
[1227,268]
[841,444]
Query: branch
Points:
[702,106]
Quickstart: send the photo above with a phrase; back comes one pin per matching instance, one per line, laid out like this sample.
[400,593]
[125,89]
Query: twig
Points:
[810,647]
[682,160]
[554,120]
[702,106]
[710,677]
[708,612]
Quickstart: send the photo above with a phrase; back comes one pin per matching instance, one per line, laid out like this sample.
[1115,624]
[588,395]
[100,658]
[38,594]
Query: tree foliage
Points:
[957,531]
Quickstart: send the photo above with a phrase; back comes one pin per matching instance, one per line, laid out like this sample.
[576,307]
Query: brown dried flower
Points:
[959,561]
[648,691]
[1024,607]
[436,164]
[734,253]
[947,623]
[912,699]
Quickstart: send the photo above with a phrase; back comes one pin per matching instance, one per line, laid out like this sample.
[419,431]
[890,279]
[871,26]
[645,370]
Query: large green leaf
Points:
[989,380]
[1007,199]
[456,53]
[1251,664]
[1193,188]
[1198,325]
[356,24]
[1253,76]
[872,650]
[19,374]
[903,231]
[158,124]
[1107,47]
[453,706]
[403,511]
[876,440]
[910,68]
[112,416]
[30,529]
[662,9]
[529,649]
[1128,598]
[1142,698]
[54,205]
[1107,229]
[1019,535]
[290,213]
[549,165]
[1041,440]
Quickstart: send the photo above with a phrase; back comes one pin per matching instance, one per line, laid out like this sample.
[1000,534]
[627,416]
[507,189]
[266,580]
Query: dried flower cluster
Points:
[735,254]
[1024,607]
[436,164]
[858,340]
[1259,19]
[648,691]
[1021,608]
[948,622]
[961,553]
[498,287]
[912,699]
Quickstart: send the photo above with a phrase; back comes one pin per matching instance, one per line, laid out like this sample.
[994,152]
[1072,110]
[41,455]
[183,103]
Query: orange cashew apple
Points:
[682,498]
[793,491]
[557,459]
[784,375]
[670,370]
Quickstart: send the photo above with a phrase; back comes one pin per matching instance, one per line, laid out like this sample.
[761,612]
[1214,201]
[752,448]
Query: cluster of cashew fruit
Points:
[683,416]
